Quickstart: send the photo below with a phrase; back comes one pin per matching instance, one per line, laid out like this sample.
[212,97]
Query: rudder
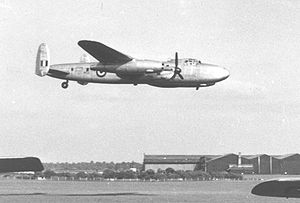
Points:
[42,60]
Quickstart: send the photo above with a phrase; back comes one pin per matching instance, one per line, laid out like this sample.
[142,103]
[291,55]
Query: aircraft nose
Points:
[225,73]
[221,73]
[215,73]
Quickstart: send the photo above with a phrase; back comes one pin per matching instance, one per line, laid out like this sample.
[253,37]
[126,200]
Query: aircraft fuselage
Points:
[141,72]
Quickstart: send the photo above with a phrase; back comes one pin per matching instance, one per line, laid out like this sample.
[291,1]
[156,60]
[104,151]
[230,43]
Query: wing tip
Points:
[81,42]
[86,41]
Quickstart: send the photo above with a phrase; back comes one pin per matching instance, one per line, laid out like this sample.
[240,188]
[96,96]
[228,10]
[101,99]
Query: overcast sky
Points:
[256,110]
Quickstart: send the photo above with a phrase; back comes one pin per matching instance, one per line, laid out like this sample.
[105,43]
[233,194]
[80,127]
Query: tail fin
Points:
[42,60]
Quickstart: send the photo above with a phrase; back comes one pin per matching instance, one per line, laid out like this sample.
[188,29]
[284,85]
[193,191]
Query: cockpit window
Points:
[191,62]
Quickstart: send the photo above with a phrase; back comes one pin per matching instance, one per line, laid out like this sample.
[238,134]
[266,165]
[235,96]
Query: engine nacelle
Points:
[42,60]
[138,67]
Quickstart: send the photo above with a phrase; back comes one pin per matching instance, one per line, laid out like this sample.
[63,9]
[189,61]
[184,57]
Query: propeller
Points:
[177,70]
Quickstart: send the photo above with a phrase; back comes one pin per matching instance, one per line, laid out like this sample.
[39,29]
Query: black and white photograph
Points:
[150,101]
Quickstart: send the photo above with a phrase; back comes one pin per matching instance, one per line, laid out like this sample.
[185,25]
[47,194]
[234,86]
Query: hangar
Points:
[286,164]
[189,162]
[256,164]
[221,163]
[260,163]
[177,162]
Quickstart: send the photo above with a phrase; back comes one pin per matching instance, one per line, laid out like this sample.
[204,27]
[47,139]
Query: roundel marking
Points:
[100,73]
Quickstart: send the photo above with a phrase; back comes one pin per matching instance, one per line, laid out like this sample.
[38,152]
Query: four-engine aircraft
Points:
[114,67]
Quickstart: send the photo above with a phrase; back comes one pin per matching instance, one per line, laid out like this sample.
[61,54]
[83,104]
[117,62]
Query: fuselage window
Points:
[72,69]
[46,63]
[87,69]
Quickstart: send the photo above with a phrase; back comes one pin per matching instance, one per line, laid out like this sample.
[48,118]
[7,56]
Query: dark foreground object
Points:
[20,164]
[287,187]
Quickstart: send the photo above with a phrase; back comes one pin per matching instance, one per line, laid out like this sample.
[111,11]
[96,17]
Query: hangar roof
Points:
[253,156]
[284,156]
[183,159]
[221,156]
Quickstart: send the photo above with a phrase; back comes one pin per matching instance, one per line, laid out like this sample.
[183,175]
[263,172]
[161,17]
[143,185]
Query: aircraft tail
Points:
[42,60]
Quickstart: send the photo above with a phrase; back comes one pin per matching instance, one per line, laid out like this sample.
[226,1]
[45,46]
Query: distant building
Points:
[242,166]
[177,162]
[256,164]
[286,164]
[260,163]
[133,169]
[221,163]
[241,169]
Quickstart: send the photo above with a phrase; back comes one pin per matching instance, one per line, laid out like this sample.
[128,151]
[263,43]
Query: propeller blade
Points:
[177,70]
[181,77]
[176,60]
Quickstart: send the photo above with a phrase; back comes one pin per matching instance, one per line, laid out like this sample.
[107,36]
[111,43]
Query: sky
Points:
[256,110]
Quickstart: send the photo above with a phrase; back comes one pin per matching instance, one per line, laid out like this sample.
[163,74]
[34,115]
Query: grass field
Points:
[77,191]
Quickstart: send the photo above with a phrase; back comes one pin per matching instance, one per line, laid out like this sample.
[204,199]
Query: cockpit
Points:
[191,62]
[184,62]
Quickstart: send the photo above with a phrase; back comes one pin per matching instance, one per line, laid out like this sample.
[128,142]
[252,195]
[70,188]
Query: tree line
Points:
[92,166]
[168,174]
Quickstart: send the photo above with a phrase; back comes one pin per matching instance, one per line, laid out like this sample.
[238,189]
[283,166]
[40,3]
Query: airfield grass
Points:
[85,191]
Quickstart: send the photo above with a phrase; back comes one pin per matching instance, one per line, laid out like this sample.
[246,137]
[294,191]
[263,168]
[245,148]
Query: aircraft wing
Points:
[285,187]
[20,164]
[103,53]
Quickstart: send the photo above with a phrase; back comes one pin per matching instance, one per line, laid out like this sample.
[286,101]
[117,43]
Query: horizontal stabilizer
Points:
[103,53]
[20,164]
[57,72]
